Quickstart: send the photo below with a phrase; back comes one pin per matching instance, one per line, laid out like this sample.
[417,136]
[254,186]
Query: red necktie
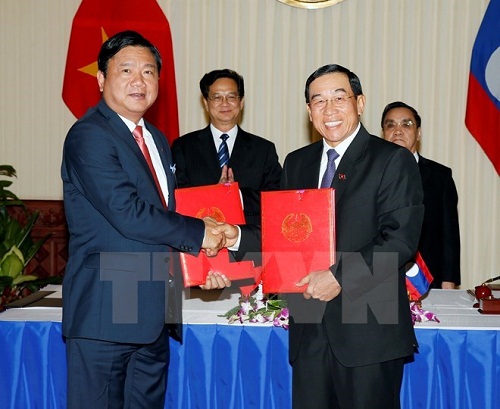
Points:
[139,138]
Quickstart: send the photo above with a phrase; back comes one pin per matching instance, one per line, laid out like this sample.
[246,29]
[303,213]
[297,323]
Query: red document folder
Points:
[222,202]
[298,236]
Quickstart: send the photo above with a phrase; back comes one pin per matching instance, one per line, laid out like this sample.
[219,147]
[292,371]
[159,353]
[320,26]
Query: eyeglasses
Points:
[319,103]
[391,125]
[230,98]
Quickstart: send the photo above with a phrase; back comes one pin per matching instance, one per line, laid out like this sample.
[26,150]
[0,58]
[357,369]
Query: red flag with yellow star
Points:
[94,22]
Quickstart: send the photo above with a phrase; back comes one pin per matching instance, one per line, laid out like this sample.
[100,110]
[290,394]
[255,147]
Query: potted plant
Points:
[16,245]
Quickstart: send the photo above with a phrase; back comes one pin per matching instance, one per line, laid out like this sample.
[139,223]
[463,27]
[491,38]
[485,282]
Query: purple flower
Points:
[281,320]
[259,309]
[420,315]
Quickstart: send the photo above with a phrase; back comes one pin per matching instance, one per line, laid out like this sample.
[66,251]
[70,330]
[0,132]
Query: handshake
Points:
[218,235]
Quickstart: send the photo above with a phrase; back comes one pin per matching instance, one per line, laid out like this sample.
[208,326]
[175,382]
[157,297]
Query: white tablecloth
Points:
[454,309]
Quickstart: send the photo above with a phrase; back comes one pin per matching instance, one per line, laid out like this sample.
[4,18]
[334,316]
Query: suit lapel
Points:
[353,154]
[312,166]
[240,149]
[122,133]
[424,170]
[167,162]
[206,148]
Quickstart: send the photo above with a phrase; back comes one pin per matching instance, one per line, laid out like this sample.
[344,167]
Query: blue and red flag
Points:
[418,279]
[94,22]
[482,116]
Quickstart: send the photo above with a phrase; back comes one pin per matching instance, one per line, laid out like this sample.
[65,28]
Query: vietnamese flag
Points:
[96,21]
[482,116]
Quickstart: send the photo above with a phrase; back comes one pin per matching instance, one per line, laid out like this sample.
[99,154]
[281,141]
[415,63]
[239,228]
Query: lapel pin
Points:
[172,168]
[342,176]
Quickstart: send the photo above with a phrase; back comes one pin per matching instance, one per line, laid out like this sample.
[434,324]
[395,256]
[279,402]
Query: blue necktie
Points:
[223,153]
[330,168]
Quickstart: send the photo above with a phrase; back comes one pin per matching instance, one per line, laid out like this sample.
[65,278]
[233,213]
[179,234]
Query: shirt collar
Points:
[342,146]
[130,124]
[217,133]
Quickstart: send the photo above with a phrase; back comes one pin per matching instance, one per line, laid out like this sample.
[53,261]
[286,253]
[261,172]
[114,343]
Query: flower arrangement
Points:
[260,308]
[418,314]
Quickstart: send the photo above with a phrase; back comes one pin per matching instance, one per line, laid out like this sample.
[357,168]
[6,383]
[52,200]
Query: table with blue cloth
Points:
[223,366]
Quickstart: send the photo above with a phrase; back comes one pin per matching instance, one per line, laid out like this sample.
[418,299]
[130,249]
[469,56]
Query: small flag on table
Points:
[418,279]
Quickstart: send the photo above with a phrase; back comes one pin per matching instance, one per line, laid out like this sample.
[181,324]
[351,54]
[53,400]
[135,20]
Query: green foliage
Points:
[16,245]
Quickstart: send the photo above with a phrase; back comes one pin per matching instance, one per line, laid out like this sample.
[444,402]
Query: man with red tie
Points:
[118,179]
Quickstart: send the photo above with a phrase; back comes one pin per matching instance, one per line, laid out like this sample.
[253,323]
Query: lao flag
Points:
[482,116]
[418,279]
[96,21]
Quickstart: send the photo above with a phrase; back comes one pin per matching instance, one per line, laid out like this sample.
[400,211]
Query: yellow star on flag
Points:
[92,68]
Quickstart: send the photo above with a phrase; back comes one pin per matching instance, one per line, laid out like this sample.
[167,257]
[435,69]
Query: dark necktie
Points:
[139,138]
[223,153]
[330,168]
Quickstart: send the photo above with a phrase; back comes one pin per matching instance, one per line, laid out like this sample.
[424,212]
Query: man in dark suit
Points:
[253,161]
[351,329]
[120,208]
[440,238]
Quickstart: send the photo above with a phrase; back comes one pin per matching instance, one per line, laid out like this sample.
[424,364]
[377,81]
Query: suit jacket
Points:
[440,239]
[254,162]
[116,281]
[378,200]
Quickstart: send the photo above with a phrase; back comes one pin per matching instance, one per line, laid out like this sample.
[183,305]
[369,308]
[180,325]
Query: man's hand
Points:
[215,281]
[213,241]
[230,231]
[321,285]
[226,175]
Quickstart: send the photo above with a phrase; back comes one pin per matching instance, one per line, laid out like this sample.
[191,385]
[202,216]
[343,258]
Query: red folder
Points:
[298,236]
[222,202]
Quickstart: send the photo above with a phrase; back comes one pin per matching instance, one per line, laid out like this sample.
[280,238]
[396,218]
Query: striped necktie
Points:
[223,153]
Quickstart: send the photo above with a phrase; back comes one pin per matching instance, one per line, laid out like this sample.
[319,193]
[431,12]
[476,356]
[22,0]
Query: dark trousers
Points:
[320,381]
[109,375]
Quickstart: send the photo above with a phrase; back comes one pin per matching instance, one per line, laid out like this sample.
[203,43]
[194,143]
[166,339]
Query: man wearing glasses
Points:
[223,152]
[350,354]
[440,238]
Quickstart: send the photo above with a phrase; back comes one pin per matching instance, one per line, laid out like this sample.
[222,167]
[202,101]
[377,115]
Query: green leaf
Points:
[34,286]
[12,263]
[276,304]
[7,170]
[7,198]
[21,278]
[231,312]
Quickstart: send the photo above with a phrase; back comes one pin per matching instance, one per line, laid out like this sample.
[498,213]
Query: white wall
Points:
[417,51]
